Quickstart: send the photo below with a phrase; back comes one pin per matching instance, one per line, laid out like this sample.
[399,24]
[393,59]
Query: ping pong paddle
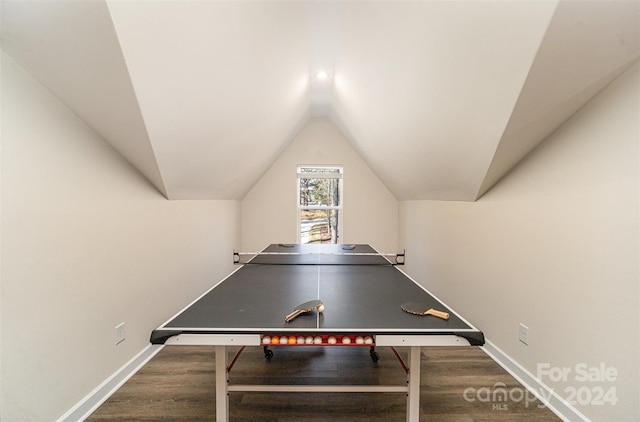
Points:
[420,309]
[303,308]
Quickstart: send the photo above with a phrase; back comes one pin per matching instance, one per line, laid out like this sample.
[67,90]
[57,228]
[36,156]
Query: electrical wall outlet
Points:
[524,334]
[120,334]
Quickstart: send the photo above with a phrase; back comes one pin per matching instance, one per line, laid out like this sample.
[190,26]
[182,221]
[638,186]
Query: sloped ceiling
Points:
[441,98]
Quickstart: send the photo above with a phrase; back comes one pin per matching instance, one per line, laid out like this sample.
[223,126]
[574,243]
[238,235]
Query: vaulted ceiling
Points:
[441,98]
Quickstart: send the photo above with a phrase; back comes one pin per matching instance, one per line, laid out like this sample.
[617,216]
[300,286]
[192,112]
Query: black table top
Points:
[361,292]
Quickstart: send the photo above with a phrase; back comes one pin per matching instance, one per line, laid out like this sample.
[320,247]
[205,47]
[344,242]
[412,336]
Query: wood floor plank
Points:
[178,384]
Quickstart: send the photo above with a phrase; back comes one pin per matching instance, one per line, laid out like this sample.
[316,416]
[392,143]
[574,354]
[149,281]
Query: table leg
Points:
[413,397]
[222,381]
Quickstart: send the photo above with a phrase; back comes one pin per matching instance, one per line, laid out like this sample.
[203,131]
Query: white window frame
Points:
[329,175]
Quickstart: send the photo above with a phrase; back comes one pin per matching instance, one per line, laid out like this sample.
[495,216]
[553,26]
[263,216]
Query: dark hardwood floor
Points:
[457,384]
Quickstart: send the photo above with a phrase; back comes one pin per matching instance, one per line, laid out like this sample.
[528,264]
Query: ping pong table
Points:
[362,292]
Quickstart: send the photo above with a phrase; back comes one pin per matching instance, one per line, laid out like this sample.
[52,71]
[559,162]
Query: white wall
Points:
[269,210]
[554,246]
[87,243]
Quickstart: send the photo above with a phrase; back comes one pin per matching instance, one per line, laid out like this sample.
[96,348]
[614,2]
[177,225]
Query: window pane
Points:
[319,192]
[322,170]
[319,226]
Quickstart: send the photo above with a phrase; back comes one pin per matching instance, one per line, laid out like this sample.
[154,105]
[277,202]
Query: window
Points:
[319,204]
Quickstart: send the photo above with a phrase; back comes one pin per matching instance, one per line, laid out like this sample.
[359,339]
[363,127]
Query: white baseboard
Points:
[546,395]
[101,393]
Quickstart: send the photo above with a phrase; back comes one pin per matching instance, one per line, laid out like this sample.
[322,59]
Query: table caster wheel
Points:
[268,354]
[374,355]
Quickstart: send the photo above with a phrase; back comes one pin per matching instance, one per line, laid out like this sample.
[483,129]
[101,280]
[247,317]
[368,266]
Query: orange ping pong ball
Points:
[292,340]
